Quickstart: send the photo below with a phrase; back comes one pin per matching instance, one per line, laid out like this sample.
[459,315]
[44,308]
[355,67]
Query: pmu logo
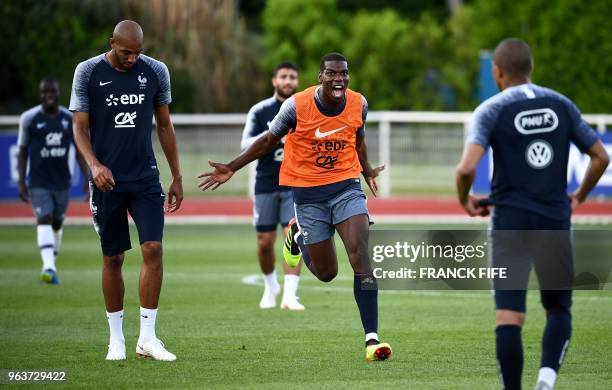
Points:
[125,99]
[543,120]
[327,162]
[125,119]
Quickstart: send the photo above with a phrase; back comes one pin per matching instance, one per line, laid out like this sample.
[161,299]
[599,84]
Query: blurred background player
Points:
[114,98]
[273,202]
[45,137]
[529,192]
[324,156]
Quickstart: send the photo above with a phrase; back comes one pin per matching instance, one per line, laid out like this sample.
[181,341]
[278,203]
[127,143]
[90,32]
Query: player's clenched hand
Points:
[370,177]
[23,192]
[220,175]
[474,209]
[175,194]
[102,177]
[574,201]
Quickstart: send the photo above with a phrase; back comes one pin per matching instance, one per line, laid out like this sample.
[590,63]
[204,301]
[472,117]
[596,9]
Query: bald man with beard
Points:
[114,97]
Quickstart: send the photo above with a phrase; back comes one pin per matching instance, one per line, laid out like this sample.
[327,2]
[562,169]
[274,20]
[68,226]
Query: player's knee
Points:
[327,275]
[509,317]
[152,250]
[57,223]
[45,220]
[265,243]
[115,261]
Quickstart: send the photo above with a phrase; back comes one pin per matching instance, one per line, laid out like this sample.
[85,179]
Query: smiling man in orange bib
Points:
[325,153]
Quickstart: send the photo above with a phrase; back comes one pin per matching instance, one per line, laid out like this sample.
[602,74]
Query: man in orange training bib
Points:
[325,153]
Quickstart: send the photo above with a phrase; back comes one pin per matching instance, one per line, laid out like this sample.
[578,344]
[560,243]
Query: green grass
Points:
[441,340]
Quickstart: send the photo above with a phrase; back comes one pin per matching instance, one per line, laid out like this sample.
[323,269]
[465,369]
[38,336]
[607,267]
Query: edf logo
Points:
[125,99]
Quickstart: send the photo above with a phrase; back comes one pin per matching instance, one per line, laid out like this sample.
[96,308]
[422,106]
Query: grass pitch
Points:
[210,319]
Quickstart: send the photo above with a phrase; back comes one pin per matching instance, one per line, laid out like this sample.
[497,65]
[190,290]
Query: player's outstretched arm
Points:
[167,139]
[367,171]
[464,177]
[223,172]
[597,167]
[101,175]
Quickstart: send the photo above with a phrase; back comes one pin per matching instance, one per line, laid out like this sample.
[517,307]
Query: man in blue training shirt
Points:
[45,137]
[529,129]
[114,98]
[273,202]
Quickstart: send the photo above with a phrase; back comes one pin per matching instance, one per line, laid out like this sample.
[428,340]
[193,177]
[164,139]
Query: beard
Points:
[283,94]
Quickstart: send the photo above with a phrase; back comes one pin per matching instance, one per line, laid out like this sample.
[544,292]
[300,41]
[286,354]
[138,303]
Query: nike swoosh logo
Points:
[320,134]
[103,84]
[41,125]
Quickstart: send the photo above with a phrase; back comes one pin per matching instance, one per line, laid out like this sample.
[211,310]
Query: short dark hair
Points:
[331,57]
[49,79]
[513,56]
[285,65]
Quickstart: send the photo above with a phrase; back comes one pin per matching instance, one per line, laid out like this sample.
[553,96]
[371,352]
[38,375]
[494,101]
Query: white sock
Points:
[44,235]
[270,281]
[115,324]
[371,336]
[57,240]
[147,324]
[548,376]
[290,286]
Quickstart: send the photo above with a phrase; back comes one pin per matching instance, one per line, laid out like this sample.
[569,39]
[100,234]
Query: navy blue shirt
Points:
[48,138]
[268,167]
[530,129]
[121,107]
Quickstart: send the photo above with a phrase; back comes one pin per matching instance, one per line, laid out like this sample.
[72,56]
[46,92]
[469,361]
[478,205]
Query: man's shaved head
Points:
[513,57]
[126,44]
[128,30]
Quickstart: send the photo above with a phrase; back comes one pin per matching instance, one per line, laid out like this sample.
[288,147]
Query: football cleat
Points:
[378,352]
[154,349]
[116,350]
[291,251]
[50,276]
[292,303]
[268,300]
[541,385]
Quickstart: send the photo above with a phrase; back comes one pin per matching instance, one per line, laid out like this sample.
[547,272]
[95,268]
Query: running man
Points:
[273,202]
[45,137]
[325,153]
[114,98]
[529,129]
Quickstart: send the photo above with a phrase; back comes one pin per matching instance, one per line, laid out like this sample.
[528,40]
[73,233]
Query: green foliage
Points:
[49,38]
[302,31]
[395,62]
[570,40]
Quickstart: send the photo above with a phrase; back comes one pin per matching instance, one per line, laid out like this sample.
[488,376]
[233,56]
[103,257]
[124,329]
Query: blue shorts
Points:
[50,202]
[521,240]
[143,199]
[317,221]
[271,209]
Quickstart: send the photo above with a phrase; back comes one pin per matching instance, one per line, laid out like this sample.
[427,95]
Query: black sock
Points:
[365,290]
[556,338]
[509,349]
[299,240]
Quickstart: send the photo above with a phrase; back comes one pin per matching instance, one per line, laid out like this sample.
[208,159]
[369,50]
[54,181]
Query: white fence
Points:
[397,139]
